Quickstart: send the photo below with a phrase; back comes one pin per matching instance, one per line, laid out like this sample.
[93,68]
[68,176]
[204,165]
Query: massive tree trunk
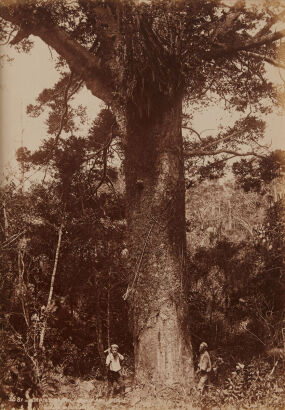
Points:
[157,242]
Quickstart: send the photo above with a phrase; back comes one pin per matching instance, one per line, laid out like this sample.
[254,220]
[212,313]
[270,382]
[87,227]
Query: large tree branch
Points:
[218,140]
[154,47]
[203,153]
[81,61]
[267,59]
[260,38]
[273,20]
[246,45]
[224,159]
[194,131]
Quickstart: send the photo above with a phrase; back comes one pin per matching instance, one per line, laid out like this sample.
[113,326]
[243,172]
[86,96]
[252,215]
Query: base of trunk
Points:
[162,355]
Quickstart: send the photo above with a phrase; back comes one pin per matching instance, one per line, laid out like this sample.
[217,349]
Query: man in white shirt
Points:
[113,363]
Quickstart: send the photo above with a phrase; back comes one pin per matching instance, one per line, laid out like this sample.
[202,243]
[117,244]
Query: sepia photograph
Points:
[142,220]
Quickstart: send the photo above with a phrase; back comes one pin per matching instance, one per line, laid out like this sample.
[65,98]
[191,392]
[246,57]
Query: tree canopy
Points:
[136,55]
[130,49]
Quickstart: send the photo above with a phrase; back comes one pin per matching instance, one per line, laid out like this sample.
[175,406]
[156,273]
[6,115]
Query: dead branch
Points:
[42,335]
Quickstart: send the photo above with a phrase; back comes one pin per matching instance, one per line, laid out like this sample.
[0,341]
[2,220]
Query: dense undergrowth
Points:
[259,383]
[235,297]
[251,385]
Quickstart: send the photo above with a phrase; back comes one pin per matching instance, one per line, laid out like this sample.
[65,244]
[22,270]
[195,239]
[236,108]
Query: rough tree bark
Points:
[156,231]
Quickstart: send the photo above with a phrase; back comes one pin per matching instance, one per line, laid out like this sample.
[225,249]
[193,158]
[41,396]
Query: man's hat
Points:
[115,346]
[203,345]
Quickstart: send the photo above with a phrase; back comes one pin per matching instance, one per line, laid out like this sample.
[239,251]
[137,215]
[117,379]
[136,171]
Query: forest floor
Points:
[265,391]
[78,394]
[91,394]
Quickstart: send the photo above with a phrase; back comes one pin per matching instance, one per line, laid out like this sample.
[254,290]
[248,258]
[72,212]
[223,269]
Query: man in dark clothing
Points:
[204,366]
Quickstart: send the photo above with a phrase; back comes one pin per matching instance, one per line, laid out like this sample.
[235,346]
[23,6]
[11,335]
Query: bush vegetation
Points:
[55,333]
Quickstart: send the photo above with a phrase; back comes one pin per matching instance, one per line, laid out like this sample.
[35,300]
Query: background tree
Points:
[62,301]
[236,273]
[143,60]
[255,174]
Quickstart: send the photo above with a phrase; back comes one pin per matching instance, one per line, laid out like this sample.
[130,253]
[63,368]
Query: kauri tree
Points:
[144,59]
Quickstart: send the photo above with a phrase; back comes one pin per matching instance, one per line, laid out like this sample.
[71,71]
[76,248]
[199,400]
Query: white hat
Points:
[203,345]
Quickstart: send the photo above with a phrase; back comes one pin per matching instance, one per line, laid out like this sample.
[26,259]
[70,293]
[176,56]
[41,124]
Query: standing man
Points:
[113,363]
[204,366]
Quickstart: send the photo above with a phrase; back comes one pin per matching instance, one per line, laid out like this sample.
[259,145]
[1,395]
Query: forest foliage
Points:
[235,262]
